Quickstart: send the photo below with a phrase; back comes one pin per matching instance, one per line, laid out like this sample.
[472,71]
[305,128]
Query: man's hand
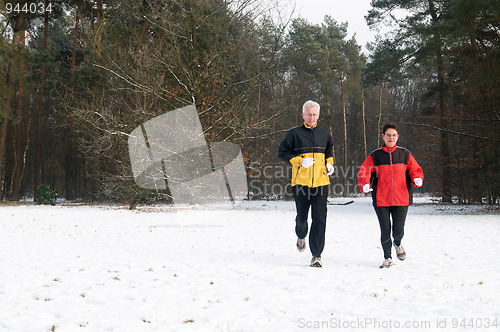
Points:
[330,168]
[366,188]
[307,162]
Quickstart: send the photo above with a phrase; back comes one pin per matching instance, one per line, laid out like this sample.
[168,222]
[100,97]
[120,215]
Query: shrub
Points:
[45,195]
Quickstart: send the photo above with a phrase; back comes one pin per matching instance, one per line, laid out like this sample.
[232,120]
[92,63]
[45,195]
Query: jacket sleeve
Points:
[365,172]
[414,169]
[285,151]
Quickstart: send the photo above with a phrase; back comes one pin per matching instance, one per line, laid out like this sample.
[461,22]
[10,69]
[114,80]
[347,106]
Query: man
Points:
[389,173]
[309,149]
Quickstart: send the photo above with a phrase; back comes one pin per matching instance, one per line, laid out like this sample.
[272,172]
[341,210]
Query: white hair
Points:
[308,104]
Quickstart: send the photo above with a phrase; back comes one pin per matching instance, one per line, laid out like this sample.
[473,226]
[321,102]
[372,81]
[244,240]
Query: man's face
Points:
[311,116]
[390,137]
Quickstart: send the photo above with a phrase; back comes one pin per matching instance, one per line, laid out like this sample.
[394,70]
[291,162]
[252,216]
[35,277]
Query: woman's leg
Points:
[384,219]
[398,223]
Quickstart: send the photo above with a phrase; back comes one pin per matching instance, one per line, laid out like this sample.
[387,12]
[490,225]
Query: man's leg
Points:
[384,219]
[302,203]
[319,196]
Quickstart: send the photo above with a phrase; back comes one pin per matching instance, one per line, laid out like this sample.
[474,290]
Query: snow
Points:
[74,267]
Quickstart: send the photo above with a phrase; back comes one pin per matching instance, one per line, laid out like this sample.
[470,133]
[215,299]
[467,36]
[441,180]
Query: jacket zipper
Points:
[312,132]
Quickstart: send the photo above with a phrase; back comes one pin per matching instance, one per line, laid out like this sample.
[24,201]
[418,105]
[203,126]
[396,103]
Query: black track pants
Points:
[316,198]
[398,226]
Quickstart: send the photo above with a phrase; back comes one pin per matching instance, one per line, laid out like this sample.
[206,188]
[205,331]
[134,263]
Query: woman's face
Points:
[390,137]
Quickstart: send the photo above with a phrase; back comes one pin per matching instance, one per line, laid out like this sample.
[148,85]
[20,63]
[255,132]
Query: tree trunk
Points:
[299,107]
[364,122]
[19,136]
[75,38]
[95,167]
[100,21]
[39,113]
[477,170]
[380,112]
[329,110]
[70,169]
[19,39]
[346,187]
[5,121]
[443,112]
[3,137]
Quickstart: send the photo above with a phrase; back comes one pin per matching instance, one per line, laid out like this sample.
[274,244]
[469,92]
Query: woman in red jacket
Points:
[389,173]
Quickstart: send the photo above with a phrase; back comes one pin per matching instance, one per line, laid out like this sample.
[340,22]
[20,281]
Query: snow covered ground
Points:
[217,268]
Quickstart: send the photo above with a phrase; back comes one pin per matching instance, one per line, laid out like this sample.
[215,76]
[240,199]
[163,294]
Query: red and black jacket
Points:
[390,173]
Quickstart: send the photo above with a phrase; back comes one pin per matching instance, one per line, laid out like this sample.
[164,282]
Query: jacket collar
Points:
[386,149]
[305,125]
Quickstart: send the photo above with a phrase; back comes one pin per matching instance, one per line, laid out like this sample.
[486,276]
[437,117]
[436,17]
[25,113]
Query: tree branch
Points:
[450,131]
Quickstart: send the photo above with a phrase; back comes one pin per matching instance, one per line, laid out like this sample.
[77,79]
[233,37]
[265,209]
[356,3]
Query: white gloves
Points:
[418,182]
[330,169]
[366,188]
[307,162]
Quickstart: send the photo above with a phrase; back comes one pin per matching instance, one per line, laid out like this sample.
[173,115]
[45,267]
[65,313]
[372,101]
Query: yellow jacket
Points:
[308,142]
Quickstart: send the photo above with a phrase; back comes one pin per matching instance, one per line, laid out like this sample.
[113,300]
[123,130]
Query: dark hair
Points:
[390,126]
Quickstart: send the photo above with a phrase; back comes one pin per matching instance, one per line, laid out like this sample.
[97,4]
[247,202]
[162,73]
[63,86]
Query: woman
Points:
[389,173]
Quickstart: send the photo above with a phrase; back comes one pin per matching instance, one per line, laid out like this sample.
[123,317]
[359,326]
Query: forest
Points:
[77,76]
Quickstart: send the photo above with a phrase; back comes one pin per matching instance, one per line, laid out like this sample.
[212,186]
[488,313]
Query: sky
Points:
[352,12]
